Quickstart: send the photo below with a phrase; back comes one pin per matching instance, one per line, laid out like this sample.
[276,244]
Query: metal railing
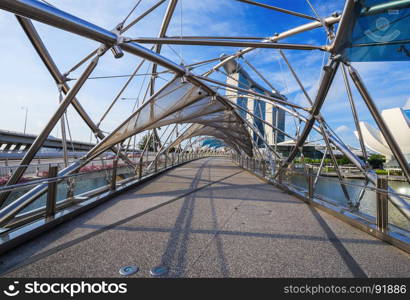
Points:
[376,211]
[99,177]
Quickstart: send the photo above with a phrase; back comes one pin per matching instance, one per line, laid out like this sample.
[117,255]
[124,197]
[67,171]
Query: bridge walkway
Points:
[208,218]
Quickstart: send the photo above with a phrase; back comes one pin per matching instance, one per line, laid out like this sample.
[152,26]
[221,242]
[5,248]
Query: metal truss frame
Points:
[239,140]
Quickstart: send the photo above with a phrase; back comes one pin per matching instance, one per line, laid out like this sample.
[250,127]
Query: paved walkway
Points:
[207,218]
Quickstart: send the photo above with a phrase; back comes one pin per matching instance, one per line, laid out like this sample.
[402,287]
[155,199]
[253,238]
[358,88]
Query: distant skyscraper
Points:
[263,110]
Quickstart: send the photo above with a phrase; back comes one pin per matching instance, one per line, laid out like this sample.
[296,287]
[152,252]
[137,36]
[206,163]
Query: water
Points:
[327,187]
[82,183]
[330,189]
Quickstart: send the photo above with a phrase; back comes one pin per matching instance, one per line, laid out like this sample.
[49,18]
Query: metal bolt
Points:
[128,270]
[159,271]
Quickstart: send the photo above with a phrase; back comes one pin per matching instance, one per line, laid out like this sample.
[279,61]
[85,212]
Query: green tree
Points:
[343,161]
[376,161]
[143,142]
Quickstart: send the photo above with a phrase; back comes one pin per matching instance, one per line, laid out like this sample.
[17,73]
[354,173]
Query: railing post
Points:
[140,168]
[279,168]
[156,165]
[263,168]
[311,185]
[382,204]
[165,161]
[51,192]
[114,175]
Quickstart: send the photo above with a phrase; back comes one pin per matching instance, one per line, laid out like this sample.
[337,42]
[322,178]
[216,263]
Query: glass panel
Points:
[395,217]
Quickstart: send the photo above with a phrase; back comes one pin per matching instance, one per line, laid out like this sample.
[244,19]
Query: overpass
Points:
[17,141]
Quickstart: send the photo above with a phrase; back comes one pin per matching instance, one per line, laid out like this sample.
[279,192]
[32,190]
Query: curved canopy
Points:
[180,101]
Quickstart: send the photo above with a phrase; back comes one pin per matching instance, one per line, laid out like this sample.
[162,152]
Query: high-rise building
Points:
[236,75]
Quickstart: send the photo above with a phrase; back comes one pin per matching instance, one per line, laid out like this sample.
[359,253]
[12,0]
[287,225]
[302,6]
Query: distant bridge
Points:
[17,141]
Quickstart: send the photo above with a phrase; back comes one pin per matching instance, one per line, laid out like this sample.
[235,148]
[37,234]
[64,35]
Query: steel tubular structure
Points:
[195,101]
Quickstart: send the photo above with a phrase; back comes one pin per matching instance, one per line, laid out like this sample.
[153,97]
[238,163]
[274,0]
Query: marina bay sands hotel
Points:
[237,75]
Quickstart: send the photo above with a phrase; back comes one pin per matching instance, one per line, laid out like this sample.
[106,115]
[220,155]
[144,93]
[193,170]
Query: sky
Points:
[26,83]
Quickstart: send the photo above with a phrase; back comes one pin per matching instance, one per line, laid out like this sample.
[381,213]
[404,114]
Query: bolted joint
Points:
[117,51]
[336,14]
[187,73]
[101,50]
[183,79]
[60,85]
[338,58]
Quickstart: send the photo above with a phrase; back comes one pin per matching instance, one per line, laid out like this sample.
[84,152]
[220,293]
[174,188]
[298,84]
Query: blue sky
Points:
[26,83]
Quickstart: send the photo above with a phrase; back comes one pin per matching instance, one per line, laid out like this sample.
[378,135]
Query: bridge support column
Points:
[7,148]
[382,204]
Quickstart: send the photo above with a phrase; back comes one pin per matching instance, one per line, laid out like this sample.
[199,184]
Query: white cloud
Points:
[342,129]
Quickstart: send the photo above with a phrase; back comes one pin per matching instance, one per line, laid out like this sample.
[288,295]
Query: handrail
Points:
[179,158]
[263,171]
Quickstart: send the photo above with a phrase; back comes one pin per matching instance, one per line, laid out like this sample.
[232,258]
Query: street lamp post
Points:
[25,118]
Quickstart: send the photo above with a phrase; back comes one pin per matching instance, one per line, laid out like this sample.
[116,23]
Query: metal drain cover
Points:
[159,271]
[128,270]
